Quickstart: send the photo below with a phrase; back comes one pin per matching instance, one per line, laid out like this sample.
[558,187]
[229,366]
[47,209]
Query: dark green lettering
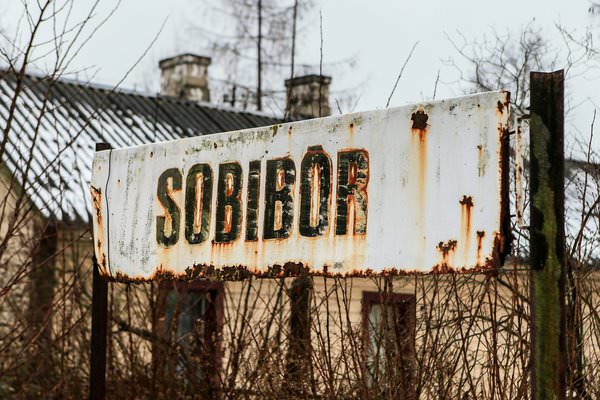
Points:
[279,198]
[253,201]
[198,199]
[229,203]
[315,192]
[172,212]
[353,178]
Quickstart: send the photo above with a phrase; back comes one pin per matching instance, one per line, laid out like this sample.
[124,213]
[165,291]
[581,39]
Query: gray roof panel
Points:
[57,123]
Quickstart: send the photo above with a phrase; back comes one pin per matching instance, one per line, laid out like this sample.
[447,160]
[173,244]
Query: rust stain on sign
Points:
[447,251]
[480,236]
[367,193]
[466,209]
[99,222]
[419,149]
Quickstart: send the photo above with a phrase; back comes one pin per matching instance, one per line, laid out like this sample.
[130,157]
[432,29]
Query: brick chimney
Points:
[303,97]
[185,76]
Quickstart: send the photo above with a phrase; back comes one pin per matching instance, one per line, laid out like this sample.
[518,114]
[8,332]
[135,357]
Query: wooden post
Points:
[297,376]
[99,325]
[41,362]
[547,235]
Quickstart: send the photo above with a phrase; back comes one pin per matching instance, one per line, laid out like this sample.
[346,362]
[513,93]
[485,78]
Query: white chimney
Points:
[307,97]
[186,77]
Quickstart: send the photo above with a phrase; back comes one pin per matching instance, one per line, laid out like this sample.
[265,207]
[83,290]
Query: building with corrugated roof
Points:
[364,337]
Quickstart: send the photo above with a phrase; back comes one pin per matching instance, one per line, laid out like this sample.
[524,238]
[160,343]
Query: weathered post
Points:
[99,325]
[297,376]
[547,235]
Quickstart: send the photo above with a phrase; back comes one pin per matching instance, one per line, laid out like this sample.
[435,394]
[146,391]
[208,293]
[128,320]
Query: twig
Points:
[437,79]
[400,74]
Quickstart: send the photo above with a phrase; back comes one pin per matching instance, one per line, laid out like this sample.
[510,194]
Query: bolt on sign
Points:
[419,188]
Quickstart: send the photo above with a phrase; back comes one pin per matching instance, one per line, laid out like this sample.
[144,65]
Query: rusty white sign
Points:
[416,188]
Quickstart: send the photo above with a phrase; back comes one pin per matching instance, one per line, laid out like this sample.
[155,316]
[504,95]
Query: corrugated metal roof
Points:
[57,123]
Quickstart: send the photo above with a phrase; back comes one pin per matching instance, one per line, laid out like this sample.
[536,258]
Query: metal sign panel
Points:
[418,188]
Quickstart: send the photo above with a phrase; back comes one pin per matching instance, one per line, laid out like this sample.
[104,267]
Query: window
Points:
[190,322]
[389,342]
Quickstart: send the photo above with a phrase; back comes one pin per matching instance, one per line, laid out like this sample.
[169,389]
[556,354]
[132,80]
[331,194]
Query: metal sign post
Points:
[547,235]
[99,325]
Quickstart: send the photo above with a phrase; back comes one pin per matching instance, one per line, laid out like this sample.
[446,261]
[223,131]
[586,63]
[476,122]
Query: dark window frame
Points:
[408,301]
[216,291]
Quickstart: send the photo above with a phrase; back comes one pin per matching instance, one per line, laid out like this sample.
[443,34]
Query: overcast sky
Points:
[378,33]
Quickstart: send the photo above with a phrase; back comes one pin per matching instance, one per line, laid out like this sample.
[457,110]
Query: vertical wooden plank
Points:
[99,325]
[547,235]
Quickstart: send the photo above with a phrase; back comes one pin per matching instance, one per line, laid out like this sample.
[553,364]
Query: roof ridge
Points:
[133,92]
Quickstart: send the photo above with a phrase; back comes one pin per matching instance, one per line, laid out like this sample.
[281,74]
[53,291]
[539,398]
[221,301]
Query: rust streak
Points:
[239,272]
[228,219]
[500,107]
[466,207]
[419,135]
[480,236]
[419,130]
[419,119]
[447,251]
[97,205]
